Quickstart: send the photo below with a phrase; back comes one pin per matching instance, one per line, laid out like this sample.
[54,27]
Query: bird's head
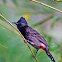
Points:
[21,23]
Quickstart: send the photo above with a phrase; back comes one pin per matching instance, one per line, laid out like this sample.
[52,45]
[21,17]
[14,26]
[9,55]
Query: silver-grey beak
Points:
[15,23]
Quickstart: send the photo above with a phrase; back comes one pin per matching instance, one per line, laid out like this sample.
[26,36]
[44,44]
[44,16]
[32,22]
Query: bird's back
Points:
[34,36]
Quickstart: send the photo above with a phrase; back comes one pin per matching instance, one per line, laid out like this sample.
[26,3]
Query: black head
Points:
[21,23]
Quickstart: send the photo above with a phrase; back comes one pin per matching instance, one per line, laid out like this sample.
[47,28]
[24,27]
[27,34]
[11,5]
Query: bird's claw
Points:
[25,41]
[34,56]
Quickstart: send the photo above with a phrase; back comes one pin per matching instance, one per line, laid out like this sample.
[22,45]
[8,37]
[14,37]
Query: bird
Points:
[33,37]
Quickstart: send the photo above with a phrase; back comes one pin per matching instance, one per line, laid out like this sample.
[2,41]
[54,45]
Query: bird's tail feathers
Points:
[49,54]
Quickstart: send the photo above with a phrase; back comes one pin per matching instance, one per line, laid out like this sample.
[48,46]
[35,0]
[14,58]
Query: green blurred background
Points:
[46,21]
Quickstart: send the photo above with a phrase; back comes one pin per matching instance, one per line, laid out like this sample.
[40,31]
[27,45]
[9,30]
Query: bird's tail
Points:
[49,54]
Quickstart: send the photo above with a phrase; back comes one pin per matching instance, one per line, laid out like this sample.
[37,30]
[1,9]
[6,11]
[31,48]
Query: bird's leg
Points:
[36,53]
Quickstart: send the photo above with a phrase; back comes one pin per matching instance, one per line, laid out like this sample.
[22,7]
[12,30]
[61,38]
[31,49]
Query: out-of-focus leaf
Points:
[27,0]
[47,10]
[2,45]
[43,21]
[54,21]
[15,2]
[4,1]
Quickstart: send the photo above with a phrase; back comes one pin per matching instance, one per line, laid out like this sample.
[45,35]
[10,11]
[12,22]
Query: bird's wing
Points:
[33,33]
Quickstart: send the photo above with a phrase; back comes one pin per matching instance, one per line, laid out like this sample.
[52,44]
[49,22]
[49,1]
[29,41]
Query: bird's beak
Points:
[15,23]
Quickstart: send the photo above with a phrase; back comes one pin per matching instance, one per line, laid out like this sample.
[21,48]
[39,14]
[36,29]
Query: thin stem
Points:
[47,6]
[20,34]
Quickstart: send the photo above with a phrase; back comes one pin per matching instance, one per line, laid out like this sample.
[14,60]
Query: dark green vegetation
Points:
[45,20]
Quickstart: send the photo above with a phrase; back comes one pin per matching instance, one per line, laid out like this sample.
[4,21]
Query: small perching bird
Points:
[33,37]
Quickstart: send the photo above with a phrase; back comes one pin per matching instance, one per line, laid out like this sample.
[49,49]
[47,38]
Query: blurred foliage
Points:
[45,20]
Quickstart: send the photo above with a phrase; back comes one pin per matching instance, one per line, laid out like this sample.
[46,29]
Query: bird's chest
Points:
[23,31]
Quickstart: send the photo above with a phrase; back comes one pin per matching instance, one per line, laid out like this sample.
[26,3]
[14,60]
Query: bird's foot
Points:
[34,56]
[25,41]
